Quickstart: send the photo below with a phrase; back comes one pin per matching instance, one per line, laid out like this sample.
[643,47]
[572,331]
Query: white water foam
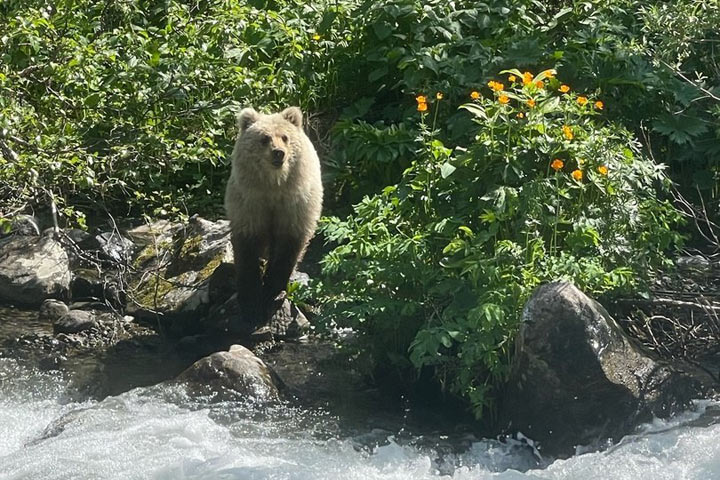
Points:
[157,433]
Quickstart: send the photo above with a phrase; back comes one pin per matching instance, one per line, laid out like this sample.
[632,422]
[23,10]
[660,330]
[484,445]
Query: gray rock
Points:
[32,269]
[697,263]
[77,235]
[320,375]
[577,379]
[26,225]
[176,275]
[51,310]
[232,374]
[89,284]
[114,247]
[74,321]
[288,322]
[152,233]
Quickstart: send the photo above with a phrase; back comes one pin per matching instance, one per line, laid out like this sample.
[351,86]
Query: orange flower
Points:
[520,115]
[602,170]
[531,103]
[503,99]
[577,175]
[567,131]
[512,78]
[549,74]
[496,86]
[557,164]
[474,94]
[599,105]
[564,88]
[439,95]
[582,100]
[422,107]
[539,84]
[527,78]
[421,99]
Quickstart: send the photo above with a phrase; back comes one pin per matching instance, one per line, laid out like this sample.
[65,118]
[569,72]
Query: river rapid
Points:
[160,433]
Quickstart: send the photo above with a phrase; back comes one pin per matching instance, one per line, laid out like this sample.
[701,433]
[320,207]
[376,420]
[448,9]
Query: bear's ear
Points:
[293,115]
[247,117]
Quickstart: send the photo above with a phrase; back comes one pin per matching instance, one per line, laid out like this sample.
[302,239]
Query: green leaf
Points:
[382,30]
[92,100]
[680,128]
[447,169]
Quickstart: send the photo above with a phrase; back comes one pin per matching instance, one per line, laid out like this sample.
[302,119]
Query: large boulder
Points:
[237,373]
[175,273]
[577,379]
[32,269]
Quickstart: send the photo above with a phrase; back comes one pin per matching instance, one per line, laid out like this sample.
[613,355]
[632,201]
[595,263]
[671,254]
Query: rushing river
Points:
[160,433]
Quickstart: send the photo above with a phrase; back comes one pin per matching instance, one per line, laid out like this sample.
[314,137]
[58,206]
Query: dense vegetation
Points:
[486,146]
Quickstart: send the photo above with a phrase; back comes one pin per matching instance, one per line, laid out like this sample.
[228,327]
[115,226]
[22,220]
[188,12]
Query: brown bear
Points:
[273,200]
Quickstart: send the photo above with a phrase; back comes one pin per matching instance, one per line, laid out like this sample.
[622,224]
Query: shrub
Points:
[432,272]
[131,106]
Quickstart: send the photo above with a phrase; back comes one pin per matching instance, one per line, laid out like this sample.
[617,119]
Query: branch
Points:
[682,75]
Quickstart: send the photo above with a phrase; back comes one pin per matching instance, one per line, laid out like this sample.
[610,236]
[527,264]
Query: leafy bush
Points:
[132,106]
[433,271]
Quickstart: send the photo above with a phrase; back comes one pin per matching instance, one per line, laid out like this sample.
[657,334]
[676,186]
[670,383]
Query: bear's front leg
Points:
[248,270]
[285,251]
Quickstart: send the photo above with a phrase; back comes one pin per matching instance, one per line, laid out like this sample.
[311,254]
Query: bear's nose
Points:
[278,156]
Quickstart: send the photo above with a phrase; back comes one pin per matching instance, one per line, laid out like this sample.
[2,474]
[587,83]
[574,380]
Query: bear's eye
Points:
[284,138]
[265,139]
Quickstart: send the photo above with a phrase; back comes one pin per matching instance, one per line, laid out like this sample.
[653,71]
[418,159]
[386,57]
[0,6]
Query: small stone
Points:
[51,310]
[287,322]
[74,321]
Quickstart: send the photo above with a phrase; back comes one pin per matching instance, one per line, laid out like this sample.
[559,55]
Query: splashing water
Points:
[160,433]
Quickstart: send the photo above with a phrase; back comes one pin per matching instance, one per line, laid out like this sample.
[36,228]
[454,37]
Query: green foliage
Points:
[433,271]
[656,60]
[131,104]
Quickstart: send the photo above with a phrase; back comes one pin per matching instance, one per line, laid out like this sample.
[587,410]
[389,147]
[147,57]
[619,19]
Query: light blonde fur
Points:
[262,199]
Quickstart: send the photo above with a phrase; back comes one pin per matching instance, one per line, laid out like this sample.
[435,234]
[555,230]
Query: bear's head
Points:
[271,143]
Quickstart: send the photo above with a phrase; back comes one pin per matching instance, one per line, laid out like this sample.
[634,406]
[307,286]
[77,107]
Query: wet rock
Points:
[232,374]
[577,379]
[319,376]
[51,310]
[74,321]
[32,269]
